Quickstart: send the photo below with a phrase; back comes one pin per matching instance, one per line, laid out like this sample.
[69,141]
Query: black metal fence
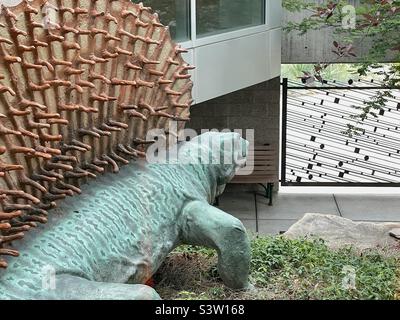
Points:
[317,152]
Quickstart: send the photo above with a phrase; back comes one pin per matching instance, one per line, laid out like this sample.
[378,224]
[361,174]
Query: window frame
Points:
[196,42]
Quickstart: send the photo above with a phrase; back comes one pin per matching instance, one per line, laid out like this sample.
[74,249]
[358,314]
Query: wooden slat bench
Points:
[265,171]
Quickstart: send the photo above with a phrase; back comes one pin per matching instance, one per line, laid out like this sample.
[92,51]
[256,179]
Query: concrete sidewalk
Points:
[288,208]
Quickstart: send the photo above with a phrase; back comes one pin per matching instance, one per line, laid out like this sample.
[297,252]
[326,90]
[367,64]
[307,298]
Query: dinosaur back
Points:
[81,83]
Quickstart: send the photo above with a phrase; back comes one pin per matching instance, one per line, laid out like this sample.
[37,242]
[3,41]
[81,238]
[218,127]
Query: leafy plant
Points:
[310,270]
[283,269]
[377,21]
[339,72]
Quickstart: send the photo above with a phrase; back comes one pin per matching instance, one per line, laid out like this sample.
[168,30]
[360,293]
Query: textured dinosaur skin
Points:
[107,242]
[81,84]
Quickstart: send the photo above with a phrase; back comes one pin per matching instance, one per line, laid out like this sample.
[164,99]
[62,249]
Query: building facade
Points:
[234,44]
[236,48]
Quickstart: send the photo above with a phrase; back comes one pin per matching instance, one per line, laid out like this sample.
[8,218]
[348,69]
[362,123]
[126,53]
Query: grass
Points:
[283,269]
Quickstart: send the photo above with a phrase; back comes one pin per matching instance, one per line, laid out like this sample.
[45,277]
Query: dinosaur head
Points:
[220,154]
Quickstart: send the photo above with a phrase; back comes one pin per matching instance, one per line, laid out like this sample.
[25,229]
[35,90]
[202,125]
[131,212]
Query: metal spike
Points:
[114,165]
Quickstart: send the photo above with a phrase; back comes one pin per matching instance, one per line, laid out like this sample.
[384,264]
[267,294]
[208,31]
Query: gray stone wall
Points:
[312,47]
[316,46]
[256,107]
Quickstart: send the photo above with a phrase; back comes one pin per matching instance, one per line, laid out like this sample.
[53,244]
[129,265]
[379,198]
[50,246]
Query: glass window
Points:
[175,14]
[218,16]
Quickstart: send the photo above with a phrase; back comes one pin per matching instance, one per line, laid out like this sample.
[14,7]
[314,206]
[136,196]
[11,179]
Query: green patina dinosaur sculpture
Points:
[107,242]
[81,84]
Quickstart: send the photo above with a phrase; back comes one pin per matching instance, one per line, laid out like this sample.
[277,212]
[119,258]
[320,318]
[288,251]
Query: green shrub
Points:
[310,270]
[283,269]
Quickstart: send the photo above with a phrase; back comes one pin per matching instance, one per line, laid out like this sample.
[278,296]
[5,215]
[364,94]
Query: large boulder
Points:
[340,232]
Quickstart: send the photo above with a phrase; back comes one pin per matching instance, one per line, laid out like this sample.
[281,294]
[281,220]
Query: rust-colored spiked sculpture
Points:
[81,83]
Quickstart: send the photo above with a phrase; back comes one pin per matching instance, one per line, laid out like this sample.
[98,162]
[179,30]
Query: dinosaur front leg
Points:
[69,287]
[208,226]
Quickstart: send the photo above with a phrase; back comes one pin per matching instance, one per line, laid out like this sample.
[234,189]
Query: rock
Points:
[395,233]
[339,232]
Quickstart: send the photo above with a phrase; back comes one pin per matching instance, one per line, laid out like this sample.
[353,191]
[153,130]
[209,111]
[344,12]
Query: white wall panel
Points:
[235,60]
[275,52]
[231,65]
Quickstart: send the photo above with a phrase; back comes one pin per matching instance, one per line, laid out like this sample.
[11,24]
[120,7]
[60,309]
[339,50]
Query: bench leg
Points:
[271,192]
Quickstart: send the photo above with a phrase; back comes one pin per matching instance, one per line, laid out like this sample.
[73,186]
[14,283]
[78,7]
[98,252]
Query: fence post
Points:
[284,129]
